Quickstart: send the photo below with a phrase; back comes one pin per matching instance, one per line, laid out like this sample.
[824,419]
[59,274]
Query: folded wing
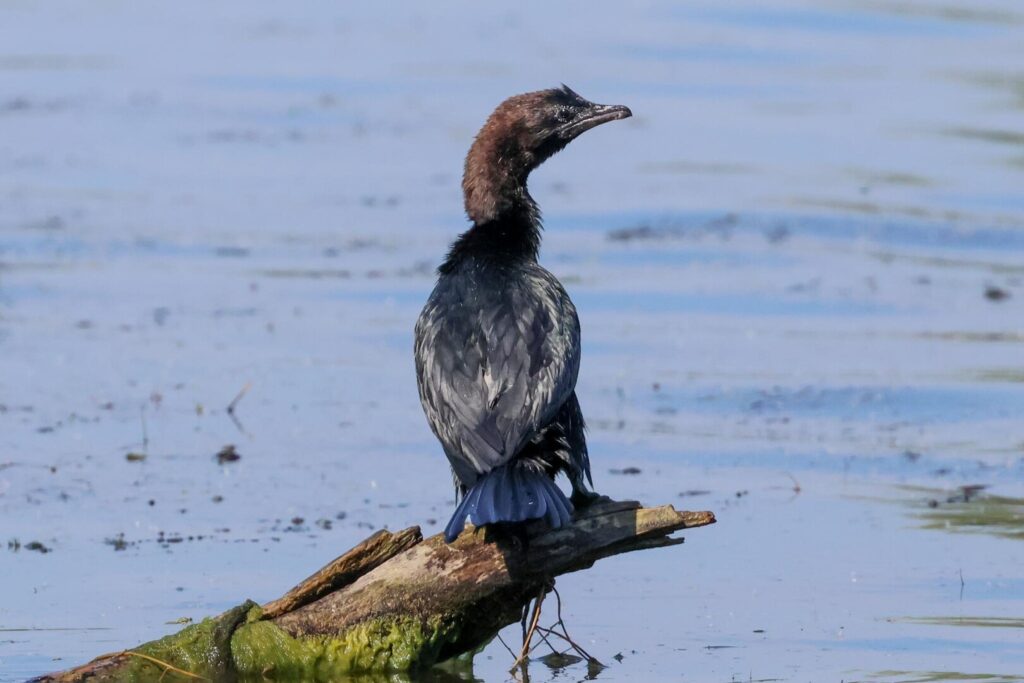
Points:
[494,366]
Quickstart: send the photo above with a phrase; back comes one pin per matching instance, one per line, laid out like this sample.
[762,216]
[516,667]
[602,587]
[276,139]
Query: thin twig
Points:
[579,650]
[534,621]
[145,432]
[239,397]
[541,631]
[502,641]
[167,667]
[565,632]
[525,652]
[234,404]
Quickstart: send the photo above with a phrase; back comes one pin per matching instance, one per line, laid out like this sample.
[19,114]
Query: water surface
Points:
[799,269]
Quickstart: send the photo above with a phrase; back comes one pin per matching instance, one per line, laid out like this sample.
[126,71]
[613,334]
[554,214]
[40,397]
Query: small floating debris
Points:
[14,545]
[963,494]
[626,470]
[993,293]
[135,457]
[117,542]
[227,454]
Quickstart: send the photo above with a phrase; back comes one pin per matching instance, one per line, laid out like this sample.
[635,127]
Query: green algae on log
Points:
[395,602]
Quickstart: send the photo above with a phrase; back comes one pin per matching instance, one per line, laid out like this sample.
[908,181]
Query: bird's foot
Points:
[582,499]
[512,533]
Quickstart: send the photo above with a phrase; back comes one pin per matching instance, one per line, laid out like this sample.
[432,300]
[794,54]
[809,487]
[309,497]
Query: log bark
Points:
[363,558]
[395,602]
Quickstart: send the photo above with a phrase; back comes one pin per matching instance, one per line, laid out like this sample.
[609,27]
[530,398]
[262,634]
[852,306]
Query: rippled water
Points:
[799,269]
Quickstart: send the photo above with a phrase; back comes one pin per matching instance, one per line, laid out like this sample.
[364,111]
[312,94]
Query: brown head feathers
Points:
[521,134]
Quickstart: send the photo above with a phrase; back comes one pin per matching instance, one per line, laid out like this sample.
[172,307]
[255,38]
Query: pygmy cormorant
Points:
[498,342]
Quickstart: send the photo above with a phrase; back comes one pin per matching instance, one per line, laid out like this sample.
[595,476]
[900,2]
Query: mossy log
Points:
[395,602]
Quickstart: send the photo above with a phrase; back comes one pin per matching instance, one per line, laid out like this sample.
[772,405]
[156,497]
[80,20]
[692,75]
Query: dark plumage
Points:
[498,342]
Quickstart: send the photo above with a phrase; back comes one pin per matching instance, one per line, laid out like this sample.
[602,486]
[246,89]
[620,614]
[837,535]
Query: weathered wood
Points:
[343,570]
[396,602]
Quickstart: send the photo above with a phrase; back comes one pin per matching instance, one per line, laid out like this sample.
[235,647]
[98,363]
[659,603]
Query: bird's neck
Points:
[511,238]
[494,178]
[506,221]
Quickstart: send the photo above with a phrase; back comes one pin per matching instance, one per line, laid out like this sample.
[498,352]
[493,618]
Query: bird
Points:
[497,344]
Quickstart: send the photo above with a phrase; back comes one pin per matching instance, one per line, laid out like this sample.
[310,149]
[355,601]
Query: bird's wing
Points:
[493,372]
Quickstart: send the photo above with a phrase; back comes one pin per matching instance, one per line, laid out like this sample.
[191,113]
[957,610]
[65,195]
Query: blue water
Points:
[784,265]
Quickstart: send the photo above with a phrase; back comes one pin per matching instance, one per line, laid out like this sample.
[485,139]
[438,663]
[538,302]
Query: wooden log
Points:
[395,602]
[341,571]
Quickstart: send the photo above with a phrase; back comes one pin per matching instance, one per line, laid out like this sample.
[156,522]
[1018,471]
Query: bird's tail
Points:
[511,493]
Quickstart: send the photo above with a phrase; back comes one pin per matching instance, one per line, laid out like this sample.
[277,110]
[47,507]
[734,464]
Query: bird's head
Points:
[519,136]
[543,123]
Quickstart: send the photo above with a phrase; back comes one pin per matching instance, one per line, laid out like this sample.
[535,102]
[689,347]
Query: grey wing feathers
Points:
[492,372]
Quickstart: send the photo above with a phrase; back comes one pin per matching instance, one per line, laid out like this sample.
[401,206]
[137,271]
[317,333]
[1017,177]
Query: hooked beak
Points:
[594,116]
